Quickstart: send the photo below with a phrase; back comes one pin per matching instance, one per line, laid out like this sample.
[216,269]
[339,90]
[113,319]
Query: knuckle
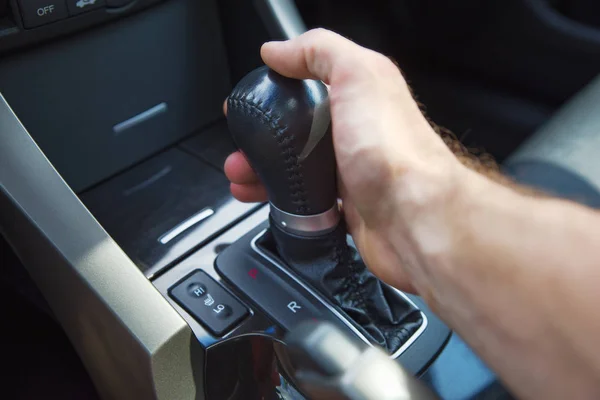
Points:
[310,52]
[319,47]
[318,33]
[369,68]
[313,40]
[352,62]
[382,65]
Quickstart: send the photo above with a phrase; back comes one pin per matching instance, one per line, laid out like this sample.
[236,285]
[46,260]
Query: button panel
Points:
[286,305]
[208,302]
[81,6]
[41,12]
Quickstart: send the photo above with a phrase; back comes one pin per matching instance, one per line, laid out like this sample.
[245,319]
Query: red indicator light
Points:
[252,273]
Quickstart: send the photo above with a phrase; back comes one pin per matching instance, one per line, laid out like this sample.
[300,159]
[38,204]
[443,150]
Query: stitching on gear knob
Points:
[270,118]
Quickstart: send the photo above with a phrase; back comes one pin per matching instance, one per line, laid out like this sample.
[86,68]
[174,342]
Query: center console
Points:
[166,285]
[298,266]
[28,22]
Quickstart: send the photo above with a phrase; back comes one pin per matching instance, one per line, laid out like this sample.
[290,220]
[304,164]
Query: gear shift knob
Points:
[282,126]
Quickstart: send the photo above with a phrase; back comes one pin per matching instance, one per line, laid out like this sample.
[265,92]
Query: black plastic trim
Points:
[415,358]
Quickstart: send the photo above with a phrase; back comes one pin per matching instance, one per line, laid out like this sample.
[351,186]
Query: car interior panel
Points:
[127,268]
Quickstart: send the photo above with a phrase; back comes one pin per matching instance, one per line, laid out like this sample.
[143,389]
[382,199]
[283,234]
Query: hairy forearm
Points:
[517,277]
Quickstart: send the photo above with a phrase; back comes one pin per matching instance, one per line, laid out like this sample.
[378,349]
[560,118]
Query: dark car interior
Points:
[129,271]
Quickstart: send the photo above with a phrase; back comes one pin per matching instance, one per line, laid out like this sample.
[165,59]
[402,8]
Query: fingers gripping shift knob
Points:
[282,126]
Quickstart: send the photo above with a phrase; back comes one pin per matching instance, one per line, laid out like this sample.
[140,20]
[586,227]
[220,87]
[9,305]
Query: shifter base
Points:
[251,266]
[328,264]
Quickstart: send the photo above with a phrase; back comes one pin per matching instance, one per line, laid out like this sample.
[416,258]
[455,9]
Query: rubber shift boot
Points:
[334,268]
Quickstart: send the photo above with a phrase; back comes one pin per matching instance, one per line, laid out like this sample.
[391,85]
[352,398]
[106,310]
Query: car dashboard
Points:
[113,197]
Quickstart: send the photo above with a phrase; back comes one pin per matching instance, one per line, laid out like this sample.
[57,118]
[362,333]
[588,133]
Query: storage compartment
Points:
[164,208]
[213,146]
[110,97]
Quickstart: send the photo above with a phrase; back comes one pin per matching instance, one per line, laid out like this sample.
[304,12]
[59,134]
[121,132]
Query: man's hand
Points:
[387,153]
[516,276]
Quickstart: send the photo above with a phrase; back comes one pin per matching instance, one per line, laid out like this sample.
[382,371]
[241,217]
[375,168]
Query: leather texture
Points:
[333,267]
[270,118]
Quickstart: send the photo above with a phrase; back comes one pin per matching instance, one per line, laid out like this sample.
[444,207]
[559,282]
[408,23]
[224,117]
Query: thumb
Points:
[313,55]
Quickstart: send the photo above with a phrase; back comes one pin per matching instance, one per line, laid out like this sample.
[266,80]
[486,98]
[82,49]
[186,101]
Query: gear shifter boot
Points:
[282,126]
[333,267]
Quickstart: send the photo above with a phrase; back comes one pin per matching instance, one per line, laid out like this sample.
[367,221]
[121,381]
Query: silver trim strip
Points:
[281,17]
[141,117]
[326,303]
[185,225]
[321,117]
[307,225]
[132,341]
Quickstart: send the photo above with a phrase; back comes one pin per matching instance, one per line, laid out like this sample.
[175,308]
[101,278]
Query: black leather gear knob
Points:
[282,126]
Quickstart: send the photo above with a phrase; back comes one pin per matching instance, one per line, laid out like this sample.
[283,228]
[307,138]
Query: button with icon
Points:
[81,6]
[208,302]
[197,290]
[222,310]
[41,12]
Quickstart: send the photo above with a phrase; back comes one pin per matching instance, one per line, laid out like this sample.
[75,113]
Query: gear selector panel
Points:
[271,292]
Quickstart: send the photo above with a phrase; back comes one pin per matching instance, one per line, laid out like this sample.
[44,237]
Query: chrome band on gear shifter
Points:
[307,225]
